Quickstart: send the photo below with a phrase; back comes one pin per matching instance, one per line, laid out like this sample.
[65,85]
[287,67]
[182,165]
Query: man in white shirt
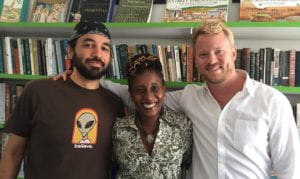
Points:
[241,128]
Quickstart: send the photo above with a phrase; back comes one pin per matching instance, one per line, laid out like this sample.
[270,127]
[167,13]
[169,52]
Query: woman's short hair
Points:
[141,63]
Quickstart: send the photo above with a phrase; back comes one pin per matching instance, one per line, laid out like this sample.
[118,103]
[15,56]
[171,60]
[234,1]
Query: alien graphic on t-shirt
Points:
[85,123]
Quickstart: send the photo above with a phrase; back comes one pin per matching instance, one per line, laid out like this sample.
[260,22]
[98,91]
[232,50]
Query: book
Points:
[245,59]
[269,10]
[134,11]
[196,10]
[297,72]
[298,115]
[2,103]
[292,67]
[49,11]
[190,64]
[276,67]
[183,60]
[15,56]
[177,63]
[1,57]
[91,10]
[162,58]
[123,59]
[283,68]
[8,66]
[13,10]
[252,65]
[256,76]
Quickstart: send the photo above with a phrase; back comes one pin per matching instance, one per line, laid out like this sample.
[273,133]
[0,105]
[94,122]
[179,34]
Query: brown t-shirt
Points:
[68,129]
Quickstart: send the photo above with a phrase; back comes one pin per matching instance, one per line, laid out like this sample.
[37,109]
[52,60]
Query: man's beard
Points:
[90,74]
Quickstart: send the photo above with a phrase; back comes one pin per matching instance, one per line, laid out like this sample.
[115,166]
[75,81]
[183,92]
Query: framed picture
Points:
[235,1]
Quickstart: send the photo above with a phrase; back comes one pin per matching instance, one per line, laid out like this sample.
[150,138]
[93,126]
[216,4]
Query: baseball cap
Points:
[88,27]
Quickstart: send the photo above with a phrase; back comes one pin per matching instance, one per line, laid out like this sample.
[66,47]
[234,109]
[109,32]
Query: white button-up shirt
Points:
[254,134]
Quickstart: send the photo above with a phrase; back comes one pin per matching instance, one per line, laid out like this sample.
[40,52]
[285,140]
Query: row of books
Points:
[47,57]
[177,60]
[74,10]
[271,66]
[9,95]
[141,10]
[106,11]
[32,56]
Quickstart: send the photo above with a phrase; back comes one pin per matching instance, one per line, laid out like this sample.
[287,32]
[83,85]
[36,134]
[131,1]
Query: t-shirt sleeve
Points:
[19,121]
[172,100]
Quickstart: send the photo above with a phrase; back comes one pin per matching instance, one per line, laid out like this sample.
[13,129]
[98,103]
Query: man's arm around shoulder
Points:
[12,157]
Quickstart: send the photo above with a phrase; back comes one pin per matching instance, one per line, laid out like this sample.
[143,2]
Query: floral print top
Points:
[171,154]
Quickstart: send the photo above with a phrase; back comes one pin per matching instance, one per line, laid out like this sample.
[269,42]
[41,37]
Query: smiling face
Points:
[91,55]
[214,57]
[147,92]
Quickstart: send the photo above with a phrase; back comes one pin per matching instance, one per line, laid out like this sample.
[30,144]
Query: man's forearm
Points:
[12,157]
[9,167]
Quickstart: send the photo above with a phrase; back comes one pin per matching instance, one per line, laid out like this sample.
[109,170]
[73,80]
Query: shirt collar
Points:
[248,86]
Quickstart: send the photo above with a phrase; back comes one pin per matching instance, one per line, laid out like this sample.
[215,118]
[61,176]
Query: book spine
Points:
[110,10]
[261,65]
[20,56]
[256,66]
[2,103]
[1,56]
[49,56]
[177,62]
[297,69]
[252,65]
[292,66]
[190,64]
[123,53]
[276,67]
[162,59]
[245,62]
[8,66]
[298,115]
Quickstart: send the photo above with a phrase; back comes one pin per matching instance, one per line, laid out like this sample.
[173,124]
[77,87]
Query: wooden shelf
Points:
[171,30]
[177,85]
[117,30]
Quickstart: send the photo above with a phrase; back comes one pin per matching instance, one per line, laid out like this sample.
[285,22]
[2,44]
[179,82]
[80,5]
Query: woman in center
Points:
[154,142]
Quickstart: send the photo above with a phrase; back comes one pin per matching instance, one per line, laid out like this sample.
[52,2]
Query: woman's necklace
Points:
[150,138]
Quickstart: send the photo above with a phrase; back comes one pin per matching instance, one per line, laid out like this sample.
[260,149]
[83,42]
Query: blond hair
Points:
[214,28]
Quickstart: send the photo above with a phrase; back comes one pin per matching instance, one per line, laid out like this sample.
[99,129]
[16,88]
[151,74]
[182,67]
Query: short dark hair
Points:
[141,63]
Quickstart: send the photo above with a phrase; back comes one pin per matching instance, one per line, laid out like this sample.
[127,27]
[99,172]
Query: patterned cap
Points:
[86,27]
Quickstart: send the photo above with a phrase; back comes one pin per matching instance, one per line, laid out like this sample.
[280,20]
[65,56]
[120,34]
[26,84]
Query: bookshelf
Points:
[287,34]
[244,32]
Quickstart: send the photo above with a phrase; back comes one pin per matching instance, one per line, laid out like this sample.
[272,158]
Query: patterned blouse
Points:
[171,154]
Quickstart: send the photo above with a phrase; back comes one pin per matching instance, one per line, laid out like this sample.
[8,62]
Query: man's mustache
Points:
[96,59]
